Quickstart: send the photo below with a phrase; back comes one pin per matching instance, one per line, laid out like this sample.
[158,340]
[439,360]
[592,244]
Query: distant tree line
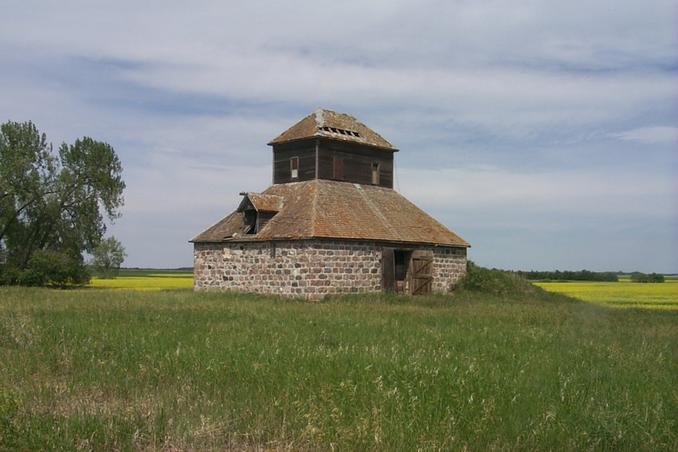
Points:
[581,275]
[647,278]
[587,275]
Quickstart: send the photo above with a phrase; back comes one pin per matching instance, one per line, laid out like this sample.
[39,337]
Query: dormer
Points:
[257,210]
[334,146]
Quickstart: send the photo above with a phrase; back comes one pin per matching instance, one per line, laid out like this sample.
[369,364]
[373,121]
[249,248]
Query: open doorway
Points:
[401,259]
[407,271]
[395,270]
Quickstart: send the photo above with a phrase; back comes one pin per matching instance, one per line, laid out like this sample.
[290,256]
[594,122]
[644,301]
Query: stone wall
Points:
[449,264]
[307,268]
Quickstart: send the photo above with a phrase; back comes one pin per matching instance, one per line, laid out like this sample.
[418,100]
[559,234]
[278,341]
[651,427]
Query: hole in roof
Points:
[340,131]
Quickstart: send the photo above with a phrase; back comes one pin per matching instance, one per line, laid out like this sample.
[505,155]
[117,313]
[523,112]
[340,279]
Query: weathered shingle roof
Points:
[330,124]
[342,210]
[223,229]
[264,203]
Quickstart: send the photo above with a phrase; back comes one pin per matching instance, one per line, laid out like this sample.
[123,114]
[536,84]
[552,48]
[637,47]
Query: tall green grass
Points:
[126,370]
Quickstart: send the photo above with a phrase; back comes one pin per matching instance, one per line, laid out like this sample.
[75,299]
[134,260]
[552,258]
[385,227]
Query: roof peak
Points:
[333,125]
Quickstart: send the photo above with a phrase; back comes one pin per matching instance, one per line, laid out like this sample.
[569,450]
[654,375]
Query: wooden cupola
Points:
[334,146]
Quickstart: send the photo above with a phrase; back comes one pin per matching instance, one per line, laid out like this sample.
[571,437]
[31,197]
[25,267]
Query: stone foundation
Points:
[308,268]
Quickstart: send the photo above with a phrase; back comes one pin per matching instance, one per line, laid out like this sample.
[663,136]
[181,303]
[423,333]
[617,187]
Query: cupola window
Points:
[294,167]
[375,173]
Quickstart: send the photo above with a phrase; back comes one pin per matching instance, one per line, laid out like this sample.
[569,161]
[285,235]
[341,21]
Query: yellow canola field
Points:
[623,294]
[152,281]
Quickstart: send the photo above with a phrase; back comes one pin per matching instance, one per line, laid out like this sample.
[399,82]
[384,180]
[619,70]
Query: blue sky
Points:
[543,132]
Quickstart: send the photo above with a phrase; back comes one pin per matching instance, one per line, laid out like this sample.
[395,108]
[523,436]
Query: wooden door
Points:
[422,272]
[387,270]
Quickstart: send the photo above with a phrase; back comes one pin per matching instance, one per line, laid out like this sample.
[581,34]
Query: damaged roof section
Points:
[231,224]
[339,210]
[338,126]
[262,202]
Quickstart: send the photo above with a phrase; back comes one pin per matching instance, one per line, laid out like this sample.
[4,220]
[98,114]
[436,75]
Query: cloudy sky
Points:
[543,132]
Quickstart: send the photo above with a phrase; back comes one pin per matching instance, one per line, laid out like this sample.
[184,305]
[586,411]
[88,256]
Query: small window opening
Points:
[294,167]
[250,226]
[375,173]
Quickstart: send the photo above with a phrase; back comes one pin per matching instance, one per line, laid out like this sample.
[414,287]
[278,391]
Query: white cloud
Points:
[579,193]
[651,135]
[477,79]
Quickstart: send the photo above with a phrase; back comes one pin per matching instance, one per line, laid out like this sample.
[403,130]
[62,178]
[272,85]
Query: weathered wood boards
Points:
[326,159]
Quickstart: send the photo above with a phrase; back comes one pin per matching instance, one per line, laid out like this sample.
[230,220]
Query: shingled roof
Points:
[338,210]
[263,202]
[338,126]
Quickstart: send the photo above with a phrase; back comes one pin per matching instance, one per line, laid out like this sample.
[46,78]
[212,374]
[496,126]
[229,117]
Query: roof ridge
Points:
[319,114]
[377,211]
[434,220]
[314,206]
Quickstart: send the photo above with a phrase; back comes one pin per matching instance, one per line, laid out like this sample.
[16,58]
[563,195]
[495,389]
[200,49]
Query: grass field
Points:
[620,294]
[121,369]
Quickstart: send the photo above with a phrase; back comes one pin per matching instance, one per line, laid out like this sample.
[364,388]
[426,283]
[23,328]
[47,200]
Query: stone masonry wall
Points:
[307,268]
[449,264]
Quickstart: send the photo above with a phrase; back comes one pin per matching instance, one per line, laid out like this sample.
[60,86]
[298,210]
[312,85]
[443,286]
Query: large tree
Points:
[54,201]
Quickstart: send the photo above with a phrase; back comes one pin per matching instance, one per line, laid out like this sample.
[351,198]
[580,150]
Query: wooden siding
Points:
[281,161]
[356,163]
[336,161]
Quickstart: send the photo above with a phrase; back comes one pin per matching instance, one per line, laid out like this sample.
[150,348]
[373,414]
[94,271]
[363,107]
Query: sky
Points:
[545,133]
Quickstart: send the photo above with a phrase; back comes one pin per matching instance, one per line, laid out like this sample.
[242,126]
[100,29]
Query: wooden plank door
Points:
[422,272]
[388,270]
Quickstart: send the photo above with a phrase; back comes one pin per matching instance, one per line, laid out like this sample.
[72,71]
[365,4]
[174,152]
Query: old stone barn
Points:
[331,223]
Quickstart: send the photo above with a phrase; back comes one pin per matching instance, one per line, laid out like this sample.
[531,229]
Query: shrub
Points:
[54,268]
[9,276]
[31,278]
[494,281]
[647,278]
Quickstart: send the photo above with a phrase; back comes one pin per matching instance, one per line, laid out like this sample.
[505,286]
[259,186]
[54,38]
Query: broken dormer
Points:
[333,146]
[257,210]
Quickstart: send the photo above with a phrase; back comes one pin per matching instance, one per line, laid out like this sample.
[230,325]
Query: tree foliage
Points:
[107,257]
[56,268]
[54,201]
[647,278]
[581,275]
